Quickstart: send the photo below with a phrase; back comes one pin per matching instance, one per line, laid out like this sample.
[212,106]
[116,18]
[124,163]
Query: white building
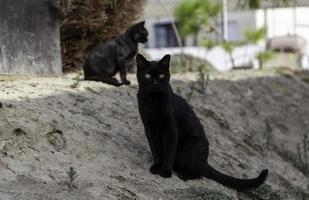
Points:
[288,19]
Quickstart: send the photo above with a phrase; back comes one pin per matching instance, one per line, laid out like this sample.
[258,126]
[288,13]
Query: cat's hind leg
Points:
[108,80]
[191,161]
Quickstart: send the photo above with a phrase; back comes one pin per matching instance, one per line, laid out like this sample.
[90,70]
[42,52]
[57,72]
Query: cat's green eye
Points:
[147,76]
[161,76]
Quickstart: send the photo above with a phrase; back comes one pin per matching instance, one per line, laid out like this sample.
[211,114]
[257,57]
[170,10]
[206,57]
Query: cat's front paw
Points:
[183,177]
[165,174]
[116,83]
[155,169]
[127,82]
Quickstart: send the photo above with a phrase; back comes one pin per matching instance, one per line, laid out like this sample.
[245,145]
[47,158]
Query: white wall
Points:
[216,56]
[239,22]
[284,21]
[280,22]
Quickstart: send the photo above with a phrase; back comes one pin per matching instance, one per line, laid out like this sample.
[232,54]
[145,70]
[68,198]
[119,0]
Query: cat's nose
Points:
[155,81]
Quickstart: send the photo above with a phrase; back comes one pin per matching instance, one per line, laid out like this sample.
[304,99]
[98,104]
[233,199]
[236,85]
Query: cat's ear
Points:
[165,61]
[140,61]
[142,23]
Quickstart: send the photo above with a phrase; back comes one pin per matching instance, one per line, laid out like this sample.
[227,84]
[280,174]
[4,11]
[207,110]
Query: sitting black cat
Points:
[175,134]
[115,56]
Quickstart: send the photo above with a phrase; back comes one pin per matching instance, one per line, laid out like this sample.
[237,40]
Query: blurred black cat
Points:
[115,56]
[175,134]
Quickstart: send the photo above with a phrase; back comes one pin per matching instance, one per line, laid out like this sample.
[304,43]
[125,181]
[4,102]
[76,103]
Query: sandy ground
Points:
[254,120]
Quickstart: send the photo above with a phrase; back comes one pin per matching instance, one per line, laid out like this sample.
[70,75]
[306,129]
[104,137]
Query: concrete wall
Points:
[29,37]
[239,22]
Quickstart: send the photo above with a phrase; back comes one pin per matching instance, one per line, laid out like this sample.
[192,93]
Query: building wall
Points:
[239,22]
[285,21]
[150,26]
[29,38]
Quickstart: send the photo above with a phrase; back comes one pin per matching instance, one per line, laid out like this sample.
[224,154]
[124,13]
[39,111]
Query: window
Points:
[164,35]
[233,31]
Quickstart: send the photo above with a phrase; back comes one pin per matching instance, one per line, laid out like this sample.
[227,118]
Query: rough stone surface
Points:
[29,37]
[253,120]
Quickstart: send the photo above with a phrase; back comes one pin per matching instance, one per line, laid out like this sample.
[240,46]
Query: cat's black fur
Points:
[175,135]
[115,56]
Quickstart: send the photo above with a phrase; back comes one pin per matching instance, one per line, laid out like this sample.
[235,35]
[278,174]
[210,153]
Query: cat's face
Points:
[140,33]
[154,75]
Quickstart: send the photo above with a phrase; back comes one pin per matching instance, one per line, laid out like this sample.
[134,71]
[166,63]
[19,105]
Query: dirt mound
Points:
[253,120]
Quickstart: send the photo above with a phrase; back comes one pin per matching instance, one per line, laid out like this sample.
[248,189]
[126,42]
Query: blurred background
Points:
[231,34]
[222,34]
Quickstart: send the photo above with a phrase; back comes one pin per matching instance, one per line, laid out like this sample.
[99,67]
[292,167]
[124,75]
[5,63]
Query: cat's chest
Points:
[132,54]
[156,117]
[128,51]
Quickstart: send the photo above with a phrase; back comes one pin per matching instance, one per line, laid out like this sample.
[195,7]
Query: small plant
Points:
[72,175]
[268,134]
[254,36]
[264,57]
[208,43]
[302,153]
[305,79]
[202,81]
[299,159]
[193,15]
[77,80]
[306,147]
[189,94]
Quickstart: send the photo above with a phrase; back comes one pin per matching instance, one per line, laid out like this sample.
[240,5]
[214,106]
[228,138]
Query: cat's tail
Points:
[236,183]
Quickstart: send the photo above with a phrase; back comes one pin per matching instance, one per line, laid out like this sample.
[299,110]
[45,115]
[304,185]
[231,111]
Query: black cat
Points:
[115,56]
[175,135]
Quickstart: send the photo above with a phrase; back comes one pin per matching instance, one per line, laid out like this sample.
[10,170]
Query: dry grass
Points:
[85,23]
